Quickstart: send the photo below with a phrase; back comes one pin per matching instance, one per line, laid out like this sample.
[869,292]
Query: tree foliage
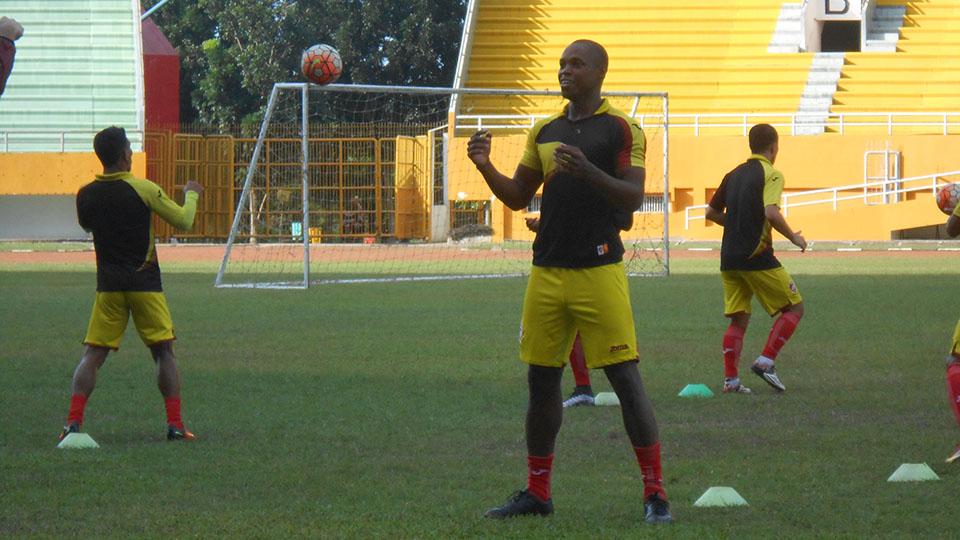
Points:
[232,51]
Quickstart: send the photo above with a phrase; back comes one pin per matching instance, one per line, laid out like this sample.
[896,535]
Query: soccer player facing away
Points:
[10,31]
[747,205]
[953,361]
[118,209]
[590,160]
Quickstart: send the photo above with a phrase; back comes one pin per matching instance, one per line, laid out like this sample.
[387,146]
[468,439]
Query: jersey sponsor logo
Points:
[602,250]
[618,348]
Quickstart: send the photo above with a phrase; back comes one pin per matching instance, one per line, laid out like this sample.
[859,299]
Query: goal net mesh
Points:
[359,183]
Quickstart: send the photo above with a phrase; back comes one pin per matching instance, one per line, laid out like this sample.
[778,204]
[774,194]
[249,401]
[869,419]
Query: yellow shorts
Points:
[774,288]
[111,310]
[559,302]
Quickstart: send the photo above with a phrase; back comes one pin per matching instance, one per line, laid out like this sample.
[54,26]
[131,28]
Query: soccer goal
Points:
[352,183]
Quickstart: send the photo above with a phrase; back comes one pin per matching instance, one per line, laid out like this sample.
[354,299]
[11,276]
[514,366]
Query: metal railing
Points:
[939,121]
[870,190]
[58,139]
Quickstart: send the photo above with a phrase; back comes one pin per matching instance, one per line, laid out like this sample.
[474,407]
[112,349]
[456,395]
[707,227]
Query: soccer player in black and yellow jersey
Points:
[118,209]
[953,361]
[747,205]
[589,158]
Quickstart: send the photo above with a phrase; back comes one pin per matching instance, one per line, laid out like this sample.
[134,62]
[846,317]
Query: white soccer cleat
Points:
[769,376]
[734,387]
[954,456]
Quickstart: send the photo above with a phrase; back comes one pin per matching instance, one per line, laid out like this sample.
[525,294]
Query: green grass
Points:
[395,410]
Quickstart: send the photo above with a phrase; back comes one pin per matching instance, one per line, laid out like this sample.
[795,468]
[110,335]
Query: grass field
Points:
[395,410]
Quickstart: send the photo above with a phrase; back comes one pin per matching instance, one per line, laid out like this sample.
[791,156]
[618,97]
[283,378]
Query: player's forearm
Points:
[181,217]
[779,223]
[503,187]
[7,53]
[716,216]
[622,194]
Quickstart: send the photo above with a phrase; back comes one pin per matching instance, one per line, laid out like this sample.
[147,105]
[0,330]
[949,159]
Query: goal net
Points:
[349,183]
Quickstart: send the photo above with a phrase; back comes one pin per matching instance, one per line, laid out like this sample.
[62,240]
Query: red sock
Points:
[782,329]
[732,345]
[578,363]
[649,459]
[953,387]
[538,476]
[173,411]
[77,404]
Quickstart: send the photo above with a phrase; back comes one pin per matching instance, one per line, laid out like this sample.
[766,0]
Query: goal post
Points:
[354,183]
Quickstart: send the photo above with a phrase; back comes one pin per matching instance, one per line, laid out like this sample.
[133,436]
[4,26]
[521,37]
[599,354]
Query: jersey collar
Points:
[761,158]
[114,176]
[602,109]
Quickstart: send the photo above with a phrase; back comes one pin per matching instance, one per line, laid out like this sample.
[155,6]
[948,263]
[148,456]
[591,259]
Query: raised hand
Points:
[478,148]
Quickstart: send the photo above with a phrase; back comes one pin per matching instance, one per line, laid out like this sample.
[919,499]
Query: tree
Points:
[232,51]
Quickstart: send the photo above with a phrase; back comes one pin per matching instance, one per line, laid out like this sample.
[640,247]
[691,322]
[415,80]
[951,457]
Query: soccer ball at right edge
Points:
[947,198]
[321,64]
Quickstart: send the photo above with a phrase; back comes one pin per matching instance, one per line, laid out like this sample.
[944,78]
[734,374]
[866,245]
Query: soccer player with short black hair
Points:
[953,360]
[118,209]
[589,158]
[747,205]
[10,31]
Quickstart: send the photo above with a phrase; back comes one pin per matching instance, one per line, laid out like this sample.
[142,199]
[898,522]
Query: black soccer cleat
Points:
[521,503]
[657,510]
[179,434]
[68,429]
[582,395]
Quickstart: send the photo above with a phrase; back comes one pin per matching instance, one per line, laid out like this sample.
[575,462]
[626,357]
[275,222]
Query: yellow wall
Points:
[53,173]
[698,164]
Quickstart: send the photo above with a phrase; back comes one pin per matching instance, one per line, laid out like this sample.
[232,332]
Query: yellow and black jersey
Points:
[117,208]
[744,193]
[579,228]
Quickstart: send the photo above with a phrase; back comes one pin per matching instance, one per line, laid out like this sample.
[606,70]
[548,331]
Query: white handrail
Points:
[835,197]
[942,120]
[59,137]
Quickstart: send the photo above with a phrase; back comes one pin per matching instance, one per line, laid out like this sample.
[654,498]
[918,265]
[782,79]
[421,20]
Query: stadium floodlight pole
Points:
[246,185]
[150,11]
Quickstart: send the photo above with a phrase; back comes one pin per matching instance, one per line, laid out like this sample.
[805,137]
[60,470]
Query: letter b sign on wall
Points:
[839,10]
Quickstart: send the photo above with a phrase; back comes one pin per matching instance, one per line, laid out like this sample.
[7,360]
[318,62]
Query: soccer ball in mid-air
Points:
[321,64]
[947,197]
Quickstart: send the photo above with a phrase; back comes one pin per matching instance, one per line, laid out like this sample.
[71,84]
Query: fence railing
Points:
[884,191]
[56,140]
[796,123]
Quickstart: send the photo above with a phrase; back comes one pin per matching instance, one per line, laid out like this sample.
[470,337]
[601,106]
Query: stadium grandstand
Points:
[79,68]
[864,95]
[863,92]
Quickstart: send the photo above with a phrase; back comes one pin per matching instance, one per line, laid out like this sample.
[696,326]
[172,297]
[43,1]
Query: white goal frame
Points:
[660,119]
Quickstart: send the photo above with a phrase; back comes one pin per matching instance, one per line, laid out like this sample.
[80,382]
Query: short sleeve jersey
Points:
[744,193]
[118,208]
[8,52]
[579,228]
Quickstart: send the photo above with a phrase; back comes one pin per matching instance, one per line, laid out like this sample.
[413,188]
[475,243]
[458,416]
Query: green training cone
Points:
[606,398]
[77,440]
[696,390]
[913,472]
[721,496]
